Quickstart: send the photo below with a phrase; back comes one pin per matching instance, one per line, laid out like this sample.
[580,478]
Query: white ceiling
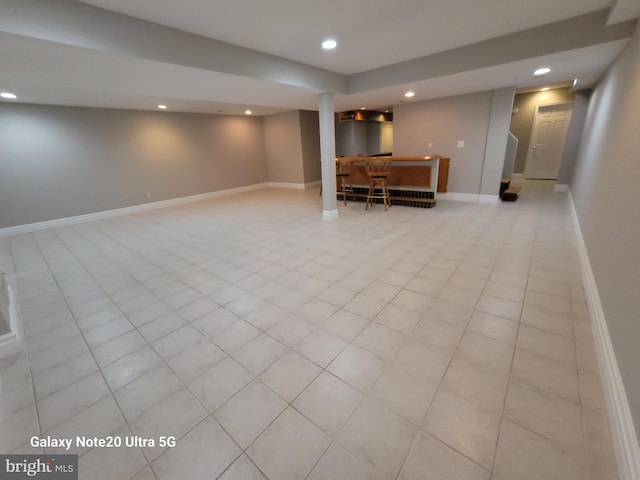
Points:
[52,61]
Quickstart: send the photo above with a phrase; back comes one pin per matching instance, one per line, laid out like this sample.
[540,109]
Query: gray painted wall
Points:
[58,162]
[522,121]
[443,122]
[606,194]
[574,135]
[310,136]
[283,147]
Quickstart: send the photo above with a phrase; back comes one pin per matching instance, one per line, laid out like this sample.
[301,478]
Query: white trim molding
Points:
[294,186]
[89,217]
[468,197]
[560,187]
[329,214]
[625,440]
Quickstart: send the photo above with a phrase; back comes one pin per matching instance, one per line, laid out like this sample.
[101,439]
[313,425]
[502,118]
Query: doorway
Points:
[548,135]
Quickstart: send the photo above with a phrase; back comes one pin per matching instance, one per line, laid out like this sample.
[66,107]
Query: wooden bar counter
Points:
[413,181]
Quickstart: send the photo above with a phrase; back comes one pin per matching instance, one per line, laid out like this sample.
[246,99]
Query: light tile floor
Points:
[450,343]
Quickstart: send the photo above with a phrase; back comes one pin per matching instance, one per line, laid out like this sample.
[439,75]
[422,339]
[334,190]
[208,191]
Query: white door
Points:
[547,141]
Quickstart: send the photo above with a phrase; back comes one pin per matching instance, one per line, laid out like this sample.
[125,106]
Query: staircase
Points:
[507,192]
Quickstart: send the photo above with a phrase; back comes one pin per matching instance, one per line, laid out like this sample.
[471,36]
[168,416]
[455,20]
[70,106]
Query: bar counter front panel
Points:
[413,180]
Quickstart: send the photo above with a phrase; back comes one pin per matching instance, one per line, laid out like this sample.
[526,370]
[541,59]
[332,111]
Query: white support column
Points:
[328,156]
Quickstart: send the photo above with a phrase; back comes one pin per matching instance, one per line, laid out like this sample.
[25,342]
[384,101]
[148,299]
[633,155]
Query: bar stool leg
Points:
[372,190]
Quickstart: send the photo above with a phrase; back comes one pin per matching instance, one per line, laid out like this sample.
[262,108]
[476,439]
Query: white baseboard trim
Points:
[561,188]
[330,214]
[625,440]
[490,199]
[315,184]
[468,197]
[89,217]
[294,186]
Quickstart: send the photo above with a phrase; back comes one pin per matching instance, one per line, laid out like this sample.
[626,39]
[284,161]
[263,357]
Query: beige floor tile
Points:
[416,302]
[266,316]
[547,320]
[552,417]
[500,307]
[219,383]
[205,452]
[464,426]
[176,342]
[405,394]
[235,336]
[290,375]
[438,333]
[398,318]
[112,463]
[118,347]
[345,324]
[130,367]
[215,321]
[338,463]
[378,437]
[546,374]
[161,326]
[195,360]
[506,292]
[259,353]
[380,340]
[316,311]
[242,469]
[57,377]
[249,412]
[291,330]
[551,303]
[358,367]
[495,327]
[449,312]
[99,420]
[289,448]
[422,360]
[524,455]
[555,347]
[321,347]
[432,459]
[601,458]
[486,351]
[146,391]
[365,306]
[71,400]
[481,385]
[174,416]
[328,402]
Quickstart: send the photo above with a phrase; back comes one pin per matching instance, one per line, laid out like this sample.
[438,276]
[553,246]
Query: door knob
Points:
[534,147]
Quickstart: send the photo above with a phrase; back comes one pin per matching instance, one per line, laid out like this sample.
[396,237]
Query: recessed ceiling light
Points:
[575,82]
[409,94]
[544,89]
[162,107]
[363,108]
[248,112]
[329,44]
[542,71]
[9,95]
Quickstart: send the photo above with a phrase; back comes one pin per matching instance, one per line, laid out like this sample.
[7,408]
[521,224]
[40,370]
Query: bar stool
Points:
[378,171]
[343,175]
